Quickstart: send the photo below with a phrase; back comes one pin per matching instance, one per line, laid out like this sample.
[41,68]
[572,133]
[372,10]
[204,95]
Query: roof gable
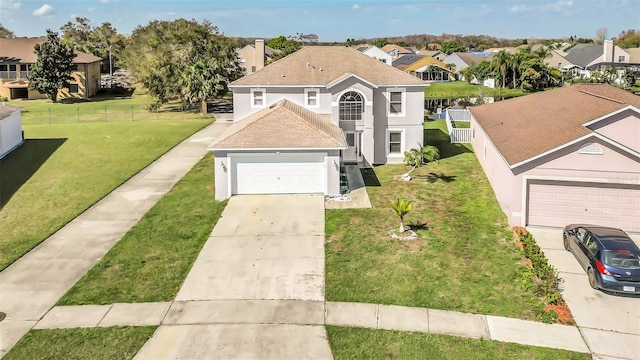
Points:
[283,125]
[427,60]
[583,54]
[322,65]
[521,134]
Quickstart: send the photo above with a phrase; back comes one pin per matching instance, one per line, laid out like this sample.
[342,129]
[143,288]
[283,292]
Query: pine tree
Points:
[52,70]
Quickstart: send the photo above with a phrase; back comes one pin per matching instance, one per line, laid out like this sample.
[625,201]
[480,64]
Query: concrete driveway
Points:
[610,324]
[257,288]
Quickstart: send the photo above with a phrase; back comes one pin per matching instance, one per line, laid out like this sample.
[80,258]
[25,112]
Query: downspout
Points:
[86,81]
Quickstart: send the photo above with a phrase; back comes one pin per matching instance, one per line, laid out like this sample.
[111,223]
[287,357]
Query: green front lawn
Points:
[61,170]
[460,89]
[356,343]
[152,260]
[79,344]
[464,259]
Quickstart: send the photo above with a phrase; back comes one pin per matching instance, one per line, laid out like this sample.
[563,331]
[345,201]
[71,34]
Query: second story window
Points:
[258,98]
[351,106]
[395,103]
[311,98]
[621,58]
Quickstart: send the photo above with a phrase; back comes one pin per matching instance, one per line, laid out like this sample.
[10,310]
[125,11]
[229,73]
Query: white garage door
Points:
[563,203]
[279,175]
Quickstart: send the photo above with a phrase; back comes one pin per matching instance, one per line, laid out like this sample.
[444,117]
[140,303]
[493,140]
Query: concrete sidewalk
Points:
[310,316]
[34,283]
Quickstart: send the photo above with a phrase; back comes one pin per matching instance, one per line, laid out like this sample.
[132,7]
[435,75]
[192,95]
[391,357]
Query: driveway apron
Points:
[610,324]
[256,289]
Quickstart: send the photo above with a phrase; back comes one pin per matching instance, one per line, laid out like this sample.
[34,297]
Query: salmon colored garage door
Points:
[557,203]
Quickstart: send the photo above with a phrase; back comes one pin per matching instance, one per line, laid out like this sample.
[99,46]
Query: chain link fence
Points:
[73,114]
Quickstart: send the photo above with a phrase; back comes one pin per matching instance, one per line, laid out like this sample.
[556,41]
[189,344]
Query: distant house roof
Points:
[427,60]
[283,125]
[322,65]
[471,58]
[363,48]
[520,133]
[268,51]
[405,60]
[583,54]
[429,52]
[21,50]
[401,50]
[6,110]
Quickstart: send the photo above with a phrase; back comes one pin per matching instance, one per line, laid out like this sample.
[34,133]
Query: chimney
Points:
[259,54]
[608,51]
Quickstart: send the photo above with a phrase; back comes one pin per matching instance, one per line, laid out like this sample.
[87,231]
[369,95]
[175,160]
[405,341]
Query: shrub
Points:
[546,282]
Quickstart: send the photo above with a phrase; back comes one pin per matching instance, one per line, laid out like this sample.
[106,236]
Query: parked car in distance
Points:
[610,258]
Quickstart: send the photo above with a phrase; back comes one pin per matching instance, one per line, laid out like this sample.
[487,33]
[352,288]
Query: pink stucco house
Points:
[569,155]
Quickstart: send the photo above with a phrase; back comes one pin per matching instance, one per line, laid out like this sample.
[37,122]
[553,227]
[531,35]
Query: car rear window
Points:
[623,259]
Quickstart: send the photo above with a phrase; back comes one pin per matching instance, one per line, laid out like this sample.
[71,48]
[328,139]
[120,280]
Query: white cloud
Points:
[519,8]
[355,7]
[104,1]
[559,6]
[91,9]
[45,10]
[73,16]
[10,5]
[171,13]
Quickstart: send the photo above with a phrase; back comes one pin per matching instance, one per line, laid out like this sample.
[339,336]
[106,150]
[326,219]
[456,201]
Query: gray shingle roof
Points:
[583,54]
[6,110]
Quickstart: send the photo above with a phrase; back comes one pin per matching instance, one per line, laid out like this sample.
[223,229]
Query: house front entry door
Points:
[353,153]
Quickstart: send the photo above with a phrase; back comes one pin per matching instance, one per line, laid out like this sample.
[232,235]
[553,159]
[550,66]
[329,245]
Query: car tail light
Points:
[602,269]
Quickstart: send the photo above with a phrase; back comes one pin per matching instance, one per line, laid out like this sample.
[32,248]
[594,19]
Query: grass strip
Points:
[151,261]
[79,344]
[357,343]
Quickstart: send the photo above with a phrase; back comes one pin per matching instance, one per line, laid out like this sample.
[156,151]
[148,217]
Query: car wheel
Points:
[593,281]
[565,242]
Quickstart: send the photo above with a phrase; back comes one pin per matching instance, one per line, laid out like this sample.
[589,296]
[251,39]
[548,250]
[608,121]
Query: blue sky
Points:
[337,20]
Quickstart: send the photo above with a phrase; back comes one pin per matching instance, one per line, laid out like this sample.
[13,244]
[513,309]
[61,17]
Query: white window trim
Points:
[306,97]
[403,99]
[402,143]
[264,98]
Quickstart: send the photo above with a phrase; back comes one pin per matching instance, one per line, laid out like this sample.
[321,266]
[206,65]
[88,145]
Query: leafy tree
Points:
[6,33]
[182,59]
[401,207]
[52,70]
[380,42]
[285,45]
[306,39]
[102,41]
[449,47]
[630,39]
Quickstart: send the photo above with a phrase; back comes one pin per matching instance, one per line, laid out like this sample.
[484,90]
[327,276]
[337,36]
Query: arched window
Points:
[351,106]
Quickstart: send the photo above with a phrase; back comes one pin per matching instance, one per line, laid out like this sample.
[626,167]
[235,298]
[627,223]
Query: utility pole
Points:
[110,69]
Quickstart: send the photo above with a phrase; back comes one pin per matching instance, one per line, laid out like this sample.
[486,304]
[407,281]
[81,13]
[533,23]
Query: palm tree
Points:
[430,153]
[500,63]
[401,208]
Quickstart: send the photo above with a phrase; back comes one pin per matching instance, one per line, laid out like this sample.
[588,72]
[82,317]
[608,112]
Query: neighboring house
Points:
[253,57]
[404,61]
[11,135]
[396,50]
[16,58]
[429,69]
[376,53]
[634,59]
[568,155]
[600,57]
[300,117]
[463,60]
[433,53]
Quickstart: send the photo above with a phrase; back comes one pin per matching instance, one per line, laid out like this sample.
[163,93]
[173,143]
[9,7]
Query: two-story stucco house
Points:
[17,55]
[568,155]
[300,117]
